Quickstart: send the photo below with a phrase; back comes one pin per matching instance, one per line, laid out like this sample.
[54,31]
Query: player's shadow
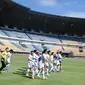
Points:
[22,72]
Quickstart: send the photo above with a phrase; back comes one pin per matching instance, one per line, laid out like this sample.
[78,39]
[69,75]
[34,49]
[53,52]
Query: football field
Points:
[73,74]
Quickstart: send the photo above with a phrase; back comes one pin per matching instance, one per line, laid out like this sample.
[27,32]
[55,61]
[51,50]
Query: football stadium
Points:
[38,48]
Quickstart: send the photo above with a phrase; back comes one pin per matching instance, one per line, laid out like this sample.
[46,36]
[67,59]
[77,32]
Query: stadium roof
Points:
[16,15]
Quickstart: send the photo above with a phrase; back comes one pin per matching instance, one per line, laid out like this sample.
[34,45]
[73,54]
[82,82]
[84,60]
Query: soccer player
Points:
[51,61]
[46,61]
[54,64]
[8,59]
[58,57]
[36,57]
[3,58]
[41,65]
[60,60]
[30,65]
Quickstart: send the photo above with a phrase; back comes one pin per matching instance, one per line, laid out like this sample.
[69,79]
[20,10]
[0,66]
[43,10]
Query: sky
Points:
[71,8]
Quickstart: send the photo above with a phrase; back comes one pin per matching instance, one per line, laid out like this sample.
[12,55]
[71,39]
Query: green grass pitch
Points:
[74,73]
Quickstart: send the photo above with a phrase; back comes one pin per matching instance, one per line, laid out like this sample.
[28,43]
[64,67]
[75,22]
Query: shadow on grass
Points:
[22,72]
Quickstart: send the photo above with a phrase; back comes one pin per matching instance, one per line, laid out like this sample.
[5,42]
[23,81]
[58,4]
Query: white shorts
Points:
[51,64]
[46,64]
[8,61]
[30,64]
[57,62]
[36,64]
[40,65]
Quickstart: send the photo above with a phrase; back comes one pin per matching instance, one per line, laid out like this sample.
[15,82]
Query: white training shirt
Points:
[41,58]
[36,57]
[30,58]
[58,56]
[51,58]
[9,57]
[46,56]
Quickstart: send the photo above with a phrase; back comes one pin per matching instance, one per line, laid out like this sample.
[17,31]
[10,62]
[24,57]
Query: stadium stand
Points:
[43,38]
[18,35]
[47,27]
[7,43]
[30,37]
[20,46]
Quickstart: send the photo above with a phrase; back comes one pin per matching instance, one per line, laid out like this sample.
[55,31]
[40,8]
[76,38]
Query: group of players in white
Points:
[43,63]
[38,63]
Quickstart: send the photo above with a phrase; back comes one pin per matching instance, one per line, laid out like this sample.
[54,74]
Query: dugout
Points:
[67,54]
